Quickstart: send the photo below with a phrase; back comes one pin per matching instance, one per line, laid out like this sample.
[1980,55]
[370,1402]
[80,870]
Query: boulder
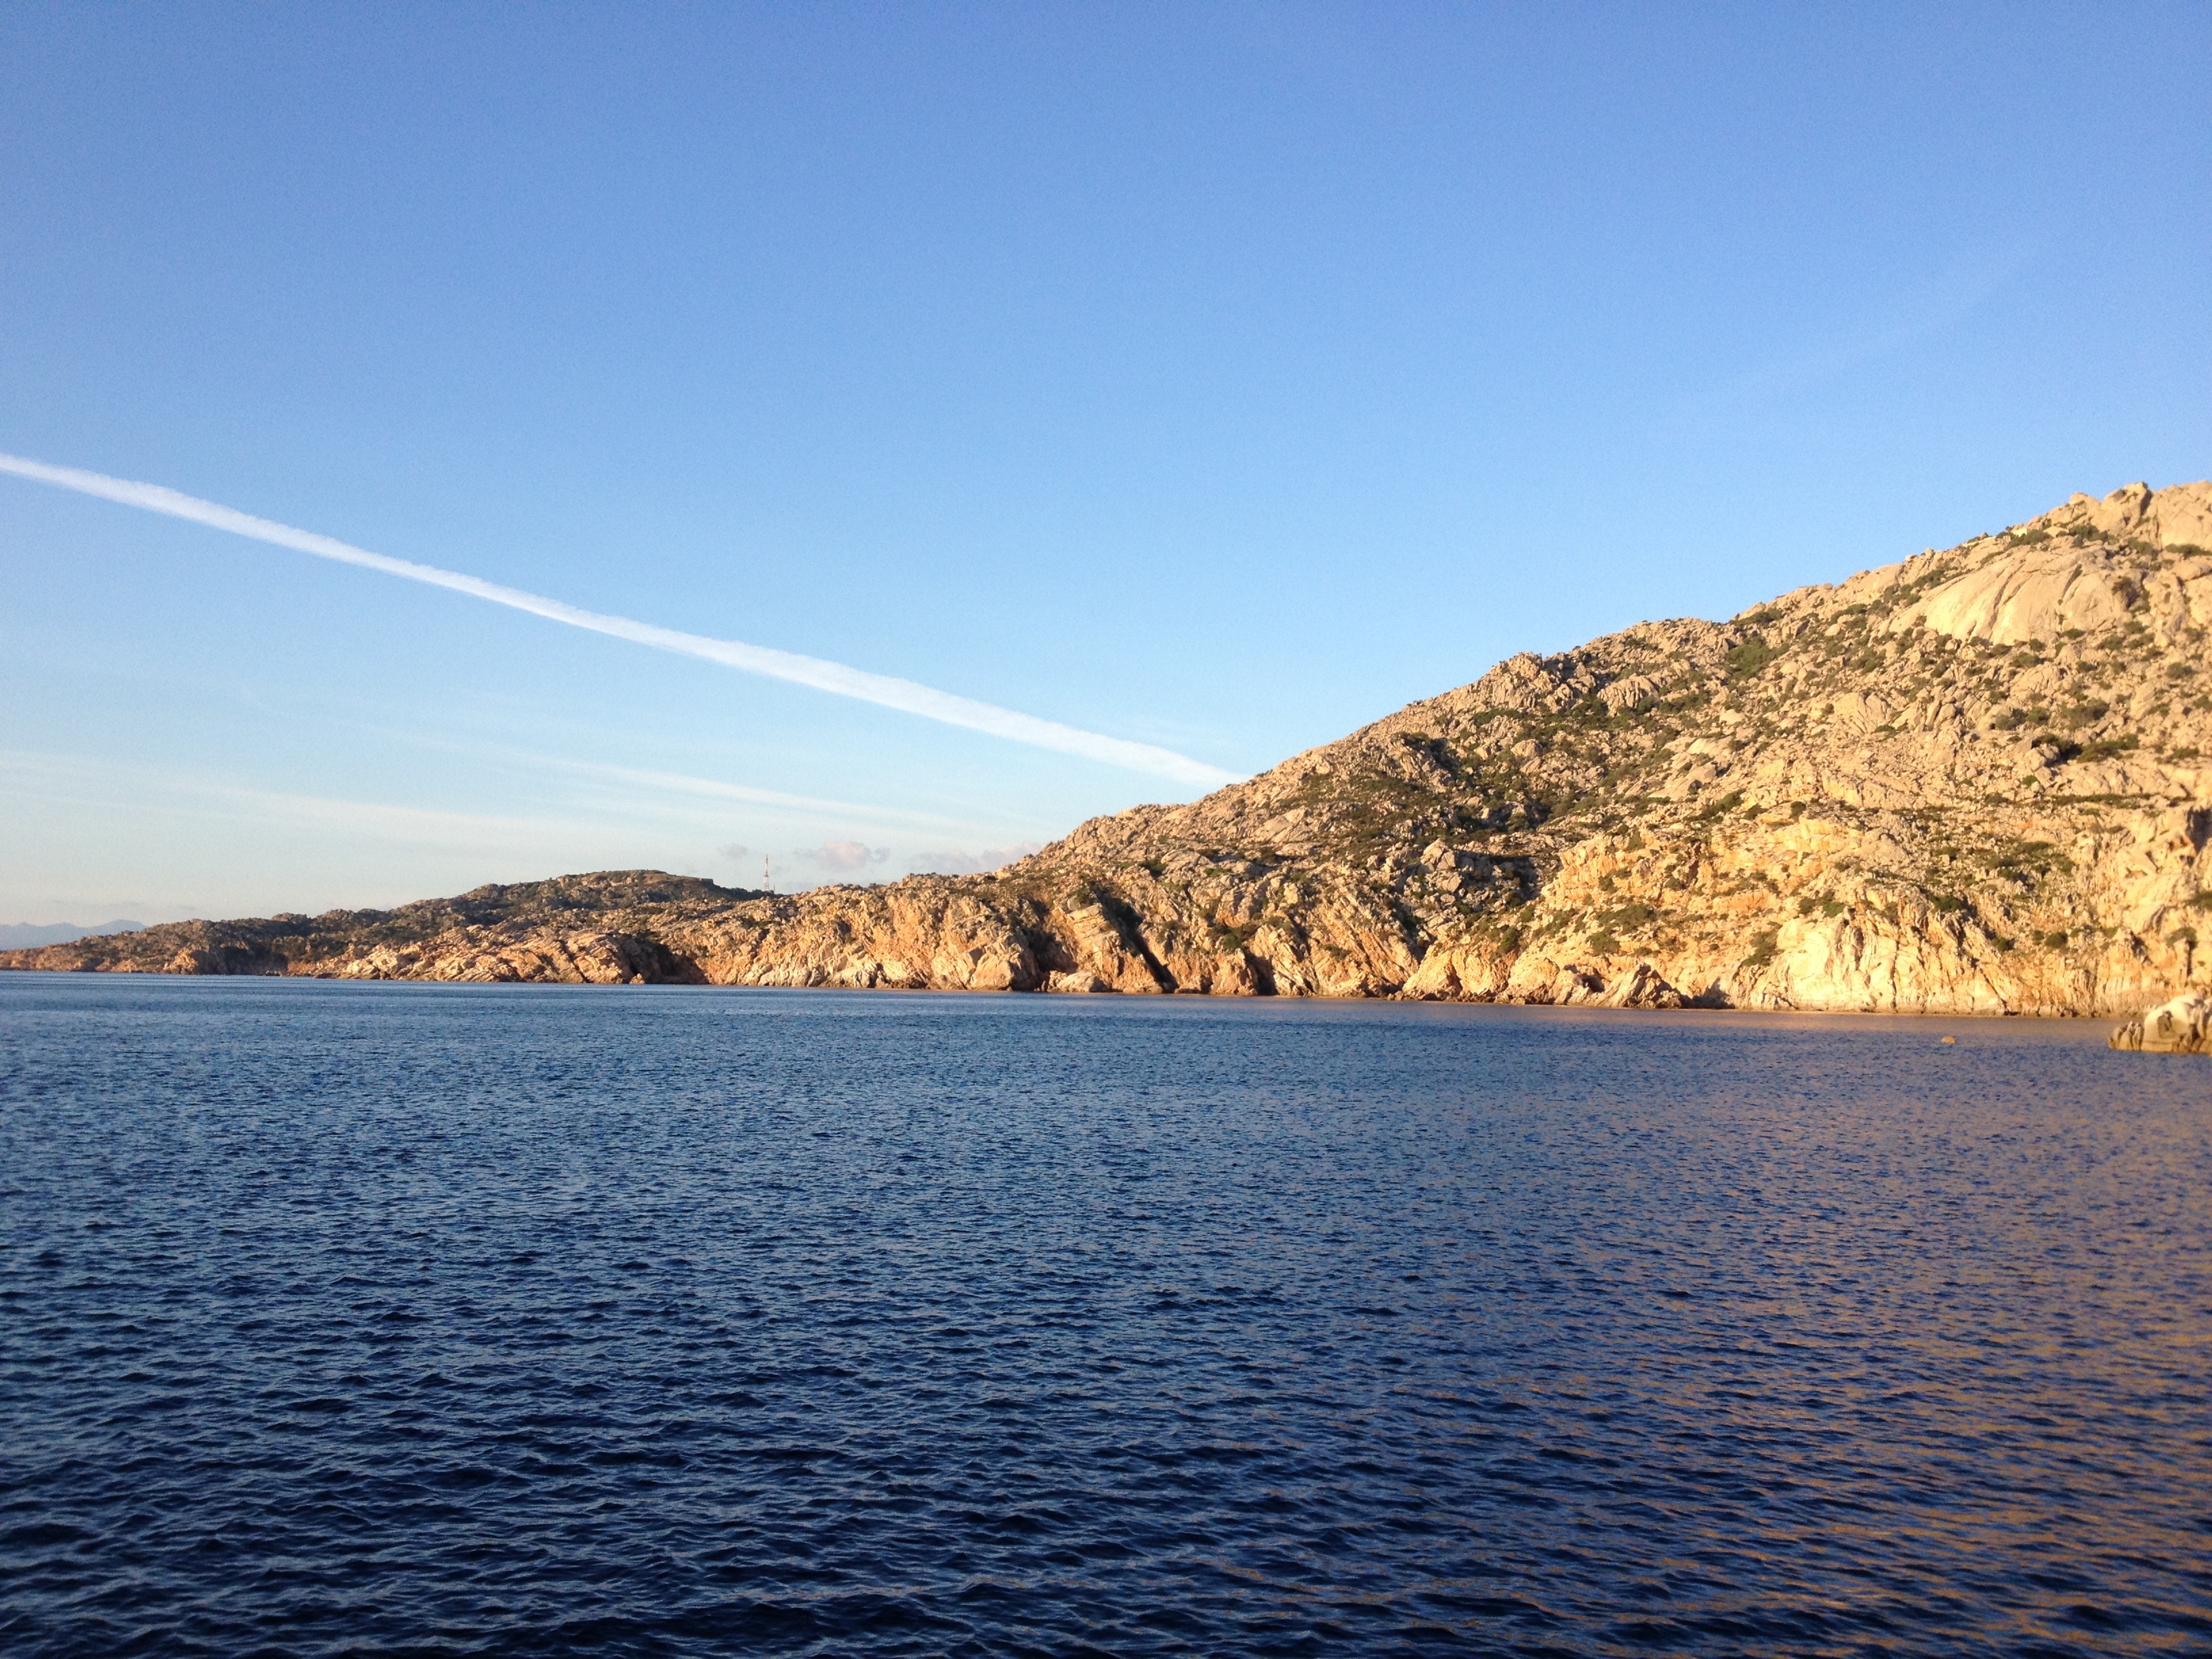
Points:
[1641,987]
[2183,1026]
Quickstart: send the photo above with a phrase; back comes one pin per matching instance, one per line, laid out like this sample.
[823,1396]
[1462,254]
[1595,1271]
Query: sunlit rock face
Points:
[1972,783]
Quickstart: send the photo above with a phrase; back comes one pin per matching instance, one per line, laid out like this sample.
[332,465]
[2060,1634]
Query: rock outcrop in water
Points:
[2183,1026]
[1973,782]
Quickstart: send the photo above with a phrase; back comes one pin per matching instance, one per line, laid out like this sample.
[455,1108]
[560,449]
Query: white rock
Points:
[2183,1026]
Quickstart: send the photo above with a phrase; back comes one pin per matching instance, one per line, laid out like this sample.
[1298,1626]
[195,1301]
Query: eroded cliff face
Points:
[1972,783]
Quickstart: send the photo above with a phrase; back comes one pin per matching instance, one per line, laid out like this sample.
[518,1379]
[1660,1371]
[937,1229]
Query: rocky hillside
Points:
[1978,781]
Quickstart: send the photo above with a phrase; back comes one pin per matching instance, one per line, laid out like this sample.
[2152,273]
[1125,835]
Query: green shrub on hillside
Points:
[1749,658]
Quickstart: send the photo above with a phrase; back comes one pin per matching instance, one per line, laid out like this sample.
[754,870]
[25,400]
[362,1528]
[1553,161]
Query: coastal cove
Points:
[1183,832]
[379,1317]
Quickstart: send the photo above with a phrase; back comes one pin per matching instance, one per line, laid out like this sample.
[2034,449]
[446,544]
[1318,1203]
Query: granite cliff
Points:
[1976,782]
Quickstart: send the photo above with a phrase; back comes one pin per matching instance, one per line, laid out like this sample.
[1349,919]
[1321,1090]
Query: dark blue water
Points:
[441,1320]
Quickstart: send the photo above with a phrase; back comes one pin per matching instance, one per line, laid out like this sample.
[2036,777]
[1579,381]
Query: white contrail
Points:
[835,676]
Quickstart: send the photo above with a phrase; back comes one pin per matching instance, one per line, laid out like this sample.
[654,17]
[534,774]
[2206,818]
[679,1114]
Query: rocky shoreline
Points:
[1974,782]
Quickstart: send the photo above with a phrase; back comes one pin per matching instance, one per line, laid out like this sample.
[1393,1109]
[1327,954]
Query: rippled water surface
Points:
[402,1319]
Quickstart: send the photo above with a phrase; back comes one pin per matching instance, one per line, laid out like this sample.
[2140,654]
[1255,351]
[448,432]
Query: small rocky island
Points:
[1974,782]
[2183,1026]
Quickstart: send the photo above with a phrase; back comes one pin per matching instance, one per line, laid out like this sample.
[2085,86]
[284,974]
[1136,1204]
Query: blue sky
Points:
[1213,378]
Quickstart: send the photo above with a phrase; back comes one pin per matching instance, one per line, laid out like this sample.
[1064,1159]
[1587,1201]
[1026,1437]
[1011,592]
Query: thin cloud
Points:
[837,678]
[1928,308]
[678,783]
[73,780]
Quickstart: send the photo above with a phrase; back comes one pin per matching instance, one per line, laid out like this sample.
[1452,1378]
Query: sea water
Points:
[395,1319]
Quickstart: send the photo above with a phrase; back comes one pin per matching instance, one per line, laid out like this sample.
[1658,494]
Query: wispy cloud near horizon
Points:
[956,862]
[843,856]
[838,679]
